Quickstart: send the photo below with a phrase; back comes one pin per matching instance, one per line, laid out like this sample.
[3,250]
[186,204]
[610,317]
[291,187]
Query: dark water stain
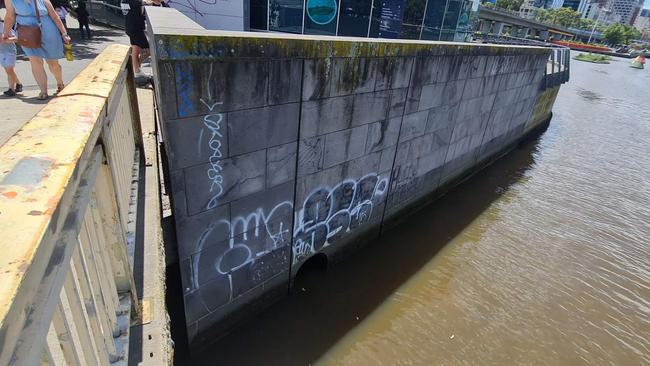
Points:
[590,95]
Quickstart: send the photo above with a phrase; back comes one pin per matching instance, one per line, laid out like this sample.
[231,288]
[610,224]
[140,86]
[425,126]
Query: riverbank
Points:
[537,260]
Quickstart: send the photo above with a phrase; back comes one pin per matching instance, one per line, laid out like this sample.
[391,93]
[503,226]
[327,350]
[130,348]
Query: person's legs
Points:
[12,78]
[55,69]
[135,58]
[84,24]
[144,55]
[8,62]
[38,70]
[139,50]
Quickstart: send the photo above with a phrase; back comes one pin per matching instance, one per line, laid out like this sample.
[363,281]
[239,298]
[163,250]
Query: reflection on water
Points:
[541,259]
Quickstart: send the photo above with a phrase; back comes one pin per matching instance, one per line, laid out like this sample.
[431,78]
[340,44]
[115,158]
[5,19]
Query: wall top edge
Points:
[177,37]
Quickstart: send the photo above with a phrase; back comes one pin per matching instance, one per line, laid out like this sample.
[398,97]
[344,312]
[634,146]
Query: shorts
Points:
[138,38]
[8,59]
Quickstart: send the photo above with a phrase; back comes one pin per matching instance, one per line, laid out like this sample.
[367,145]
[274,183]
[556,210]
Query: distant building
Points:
[622,11]
[642,22]
[573,4]
[528,9]
[446,20]
[582,7]
[636,11]
[626,9]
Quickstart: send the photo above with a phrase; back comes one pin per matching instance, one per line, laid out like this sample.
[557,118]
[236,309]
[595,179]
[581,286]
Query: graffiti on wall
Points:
[212,121]
[241,251]
[329,213]
[326,215]
[251,237]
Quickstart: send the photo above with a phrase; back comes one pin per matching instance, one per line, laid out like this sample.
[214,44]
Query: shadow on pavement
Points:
[84,48]
[89,48]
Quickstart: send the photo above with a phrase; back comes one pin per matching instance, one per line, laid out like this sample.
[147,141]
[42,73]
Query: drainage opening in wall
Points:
[309,272]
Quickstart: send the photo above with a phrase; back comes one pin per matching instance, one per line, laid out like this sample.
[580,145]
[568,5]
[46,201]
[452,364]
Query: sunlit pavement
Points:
[15,111]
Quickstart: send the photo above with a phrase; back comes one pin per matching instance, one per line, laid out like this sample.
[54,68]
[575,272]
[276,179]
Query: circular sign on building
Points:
[321,11]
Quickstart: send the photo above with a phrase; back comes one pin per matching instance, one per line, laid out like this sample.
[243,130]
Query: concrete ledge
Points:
[188,40]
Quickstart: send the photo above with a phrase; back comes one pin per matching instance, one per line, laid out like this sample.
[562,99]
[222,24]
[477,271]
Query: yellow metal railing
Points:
[68,193]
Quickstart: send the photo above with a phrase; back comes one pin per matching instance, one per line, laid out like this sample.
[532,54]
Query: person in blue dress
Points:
[53,35]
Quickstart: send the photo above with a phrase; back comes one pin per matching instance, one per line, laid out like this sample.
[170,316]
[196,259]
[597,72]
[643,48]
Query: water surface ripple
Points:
[556,271]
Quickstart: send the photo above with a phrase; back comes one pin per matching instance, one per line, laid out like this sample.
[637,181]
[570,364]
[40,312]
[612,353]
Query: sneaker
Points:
[9,93]
[19,88]
[140,74]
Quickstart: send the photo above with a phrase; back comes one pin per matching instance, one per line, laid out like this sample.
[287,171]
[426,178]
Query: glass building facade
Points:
[444,20]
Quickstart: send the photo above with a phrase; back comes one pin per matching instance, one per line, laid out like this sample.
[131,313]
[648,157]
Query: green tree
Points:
[614,34]
[620,34]
[630,33]
[513,5]
[542,15]
[564,17]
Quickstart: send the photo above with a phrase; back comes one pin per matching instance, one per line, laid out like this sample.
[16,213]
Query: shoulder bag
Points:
[29,36]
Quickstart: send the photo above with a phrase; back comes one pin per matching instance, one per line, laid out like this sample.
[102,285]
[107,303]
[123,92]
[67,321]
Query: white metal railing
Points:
[71,300]
[557,68]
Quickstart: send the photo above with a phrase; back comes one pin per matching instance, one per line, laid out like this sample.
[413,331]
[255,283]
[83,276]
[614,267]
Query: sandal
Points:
[9,93]
[42,96]
[19,87]
[59,87]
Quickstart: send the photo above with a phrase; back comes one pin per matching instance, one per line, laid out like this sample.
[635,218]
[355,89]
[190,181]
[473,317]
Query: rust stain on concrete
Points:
[10,194]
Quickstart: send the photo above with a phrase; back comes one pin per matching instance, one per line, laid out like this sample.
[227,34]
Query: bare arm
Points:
[10,19]
[55,17]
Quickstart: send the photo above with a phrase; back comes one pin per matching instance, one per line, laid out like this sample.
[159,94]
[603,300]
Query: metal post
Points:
[600,13]
[372,6]
[424,16]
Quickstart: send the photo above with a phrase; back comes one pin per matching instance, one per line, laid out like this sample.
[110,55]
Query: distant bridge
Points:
[500,22]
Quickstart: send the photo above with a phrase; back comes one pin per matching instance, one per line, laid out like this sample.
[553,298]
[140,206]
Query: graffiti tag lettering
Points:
[212,122]
[329,213]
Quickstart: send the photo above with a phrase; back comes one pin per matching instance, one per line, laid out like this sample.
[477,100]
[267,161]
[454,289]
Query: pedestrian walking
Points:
[135,29]
[82,18]
[28,15]
[8,62]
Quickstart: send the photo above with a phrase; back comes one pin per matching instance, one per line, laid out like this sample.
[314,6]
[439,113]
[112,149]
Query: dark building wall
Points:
[573,4]
[282,147]
[445,20]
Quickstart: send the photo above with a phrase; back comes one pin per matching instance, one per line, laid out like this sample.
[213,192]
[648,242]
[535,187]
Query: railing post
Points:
[46,298]
[133,103]
[117,242]
[67,302]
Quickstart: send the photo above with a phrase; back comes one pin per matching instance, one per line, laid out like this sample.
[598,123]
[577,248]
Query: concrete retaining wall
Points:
[281,147]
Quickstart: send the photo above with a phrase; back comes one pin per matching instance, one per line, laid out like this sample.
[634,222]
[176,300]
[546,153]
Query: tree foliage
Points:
[564,17]
[620,34]
[568,18]
[513,5]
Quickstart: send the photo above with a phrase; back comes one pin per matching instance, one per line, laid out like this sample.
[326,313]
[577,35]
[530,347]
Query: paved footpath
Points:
[14,112]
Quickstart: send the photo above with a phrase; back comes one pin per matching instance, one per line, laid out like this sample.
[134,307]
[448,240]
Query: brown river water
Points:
[543,258]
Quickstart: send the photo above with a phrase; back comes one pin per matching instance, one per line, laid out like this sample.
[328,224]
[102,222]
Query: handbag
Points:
[29,36]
